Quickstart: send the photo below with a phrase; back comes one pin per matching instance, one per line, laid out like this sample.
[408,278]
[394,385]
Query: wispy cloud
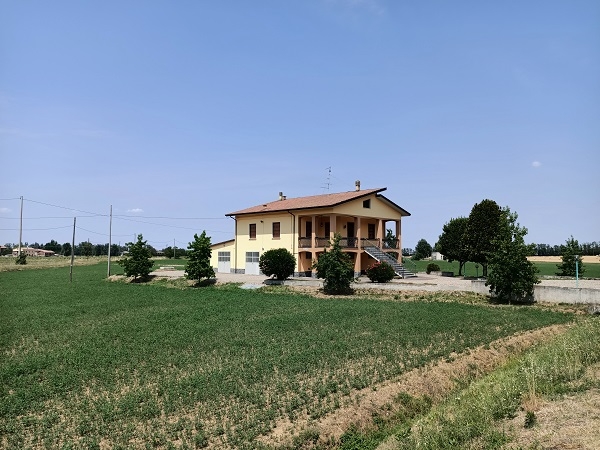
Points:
[536,164]
[5,210]
[135,210]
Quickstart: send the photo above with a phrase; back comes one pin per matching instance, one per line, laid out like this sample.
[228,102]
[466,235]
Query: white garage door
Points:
[224,262]
[252,263]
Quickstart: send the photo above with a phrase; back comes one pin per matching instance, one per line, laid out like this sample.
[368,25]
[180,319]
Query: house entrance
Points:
[224,265]
[252,263]
[351,235]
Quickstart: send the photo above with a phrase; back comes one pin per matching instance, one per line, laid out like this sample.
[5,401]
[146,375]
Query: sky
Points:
[177,113]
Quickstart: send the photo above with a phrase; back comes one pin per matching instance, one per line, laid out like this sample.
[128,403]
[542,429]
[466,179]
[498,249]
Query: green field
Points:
[592,270]
[96,363]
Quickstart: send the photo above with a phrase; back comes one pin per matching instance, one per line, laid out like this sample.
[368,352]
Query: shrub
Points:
[137,263]
[279,262]
[432,267]
[336,268]
[21,259]
[380,272]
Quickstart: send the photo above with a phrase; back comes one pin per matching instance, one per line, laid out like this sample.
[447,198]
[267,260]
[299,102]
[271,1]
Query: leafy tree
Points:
[450,243]
[568,267]
[21,259]
[512,276]
[198,266]
[85,248]
[380,272]
[137,263]
[482,228]
[408,251]
[422,250]
[99,250]
[168,252]
[336,268]
[279,262]
[115,250]
[7,250]
[66,249]
[52,246]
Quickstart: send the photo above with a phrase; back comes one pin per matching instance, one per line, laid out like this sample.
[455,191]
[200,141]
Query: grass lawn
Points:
[592,270]
[97,364]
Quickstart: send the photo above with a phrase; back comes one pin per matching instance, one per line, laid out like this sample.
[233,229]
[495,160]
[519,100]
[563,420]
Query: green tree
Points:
[568,266]
[512,276]
[86,248]
[66,249]
[279,262]
[335,267]
[450,243]
[52,246]
[21,259]
[422,250]
[198,265]
[168,252]
[137,263]
[482,228]
[390,240]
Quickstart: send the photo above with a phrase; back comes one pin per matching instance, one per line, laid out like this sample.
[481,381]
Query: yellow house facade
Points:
[306,225]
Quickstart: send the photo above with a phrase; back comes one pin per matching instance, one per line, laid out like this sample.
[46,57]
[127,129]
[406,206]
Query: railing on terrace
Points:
[365,242]
[322,242]
[304,242]
[349,242]
[391,243]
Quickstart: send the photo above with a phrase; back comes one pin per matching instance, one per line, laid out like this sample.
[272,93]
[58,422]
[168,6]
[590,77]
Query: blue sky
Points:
[193,109]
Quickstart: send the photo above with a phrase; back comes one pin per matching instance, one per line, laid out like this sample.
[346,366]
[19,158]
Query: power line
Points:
[102,234]
[172,218]
[65,207]
[7,199]
[47,217]
[34,229]
[169,226]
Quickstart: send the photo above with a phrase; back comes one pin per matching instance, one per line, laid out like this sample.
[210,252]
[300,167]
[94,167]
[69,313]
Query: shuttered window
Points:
[276,230]
[252,231]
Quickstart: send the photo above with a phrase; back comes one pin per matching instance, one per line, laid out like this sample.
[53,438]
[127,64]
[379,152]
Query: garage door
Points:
[252,263]
[224,262]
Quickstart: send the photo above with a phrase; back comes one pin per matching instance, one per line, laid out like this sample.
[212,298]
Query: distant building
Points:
[28,251]
[437,256]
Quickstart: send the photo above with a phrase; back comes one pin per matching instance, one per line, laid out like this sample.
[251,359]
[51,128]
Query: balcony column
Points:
[399,237]
[313,240]
[381,232]
[332,226]
[358,235]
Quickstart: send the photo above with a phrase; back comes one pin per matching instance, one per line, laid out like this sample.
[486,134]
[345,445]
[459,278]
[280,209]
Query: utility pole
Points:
[21,227]
[109,241]
[174,252]
[72,251]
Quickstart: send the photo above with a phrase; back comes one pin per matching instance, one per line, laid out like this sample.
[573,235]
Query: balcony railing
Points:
[304,242]
[322,242]
[391,243]
[365,242]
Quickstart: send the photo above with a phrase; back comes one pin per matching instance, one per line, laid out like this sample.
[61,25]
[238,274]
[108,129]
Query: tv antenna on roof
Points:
[328,182]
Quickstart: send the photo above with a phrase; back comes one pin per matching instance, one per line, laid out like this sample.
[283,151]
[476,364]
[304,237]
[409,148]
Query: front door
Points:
[351,235]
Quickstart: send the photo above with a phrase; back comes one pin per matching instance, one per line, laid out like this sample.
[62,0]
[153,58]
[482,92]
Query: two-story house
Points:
[306,225]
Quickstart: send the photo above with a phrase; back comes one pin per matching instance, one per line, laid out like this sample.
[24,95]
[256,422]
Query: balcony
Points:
[304,242]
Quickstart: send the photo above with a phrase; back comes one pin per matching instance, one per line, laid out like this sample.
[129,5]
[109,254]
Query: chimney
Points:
[281,197]
[357,184]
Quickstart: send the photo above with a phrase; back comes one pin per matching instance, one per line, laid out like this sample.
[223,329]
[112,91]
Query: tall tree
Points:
[450,243]
[482,228]
[571,259]
[137,263]
[422,250]
[198,266]
[512,276]
[86,248]
[66,249]
[52,246]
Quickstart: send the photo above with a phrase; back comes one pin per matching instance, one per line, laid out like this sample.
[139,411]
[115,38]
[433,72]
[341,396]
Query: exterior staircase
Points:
[382,256]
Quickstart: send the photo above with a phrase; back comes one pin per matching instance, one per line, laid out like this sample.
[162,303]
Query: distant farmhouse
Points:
[28,251]
[305,226]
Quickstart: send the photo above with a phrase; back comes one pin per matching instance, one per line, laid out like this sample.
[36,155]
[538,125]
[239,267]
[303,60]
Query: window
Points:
[252,257]
[276,230]
[371,230]
[224,256]
[252,231]
[367,203]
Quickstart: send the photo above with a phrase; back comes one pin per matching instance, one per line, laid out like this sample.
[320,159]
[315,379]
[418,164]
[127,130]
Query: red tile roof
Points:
[313,201]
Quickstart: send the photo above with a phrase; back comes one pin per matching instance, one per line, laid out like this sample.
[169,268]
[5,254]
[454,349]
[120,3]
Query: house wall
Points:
[228,246]
[264,236]
[378,209]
